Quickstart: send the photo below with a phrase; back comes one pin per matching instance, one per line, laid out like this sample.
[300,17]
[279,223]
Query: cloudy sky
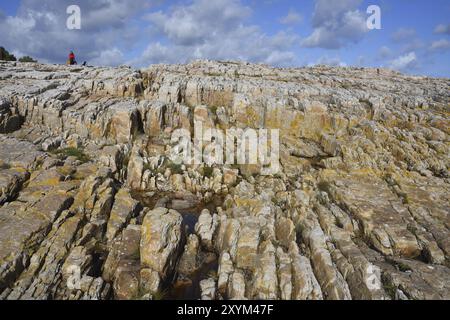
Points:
[415,34]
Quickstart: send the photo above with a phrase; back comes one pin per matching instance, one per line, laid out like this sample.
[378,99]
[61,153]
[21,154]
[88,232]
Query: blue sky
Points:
[415,34]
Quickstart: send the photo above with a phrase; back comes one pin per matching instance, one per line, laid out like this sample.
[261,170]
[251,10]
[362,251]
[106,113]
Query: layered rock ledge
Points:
[91,206]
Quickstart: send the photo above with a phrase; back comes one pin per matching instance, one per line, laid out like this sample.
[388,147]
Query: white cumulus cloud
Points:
[384,52]
[111,57]
[39,29]
[404,34]
[442,29]
[214,29]
[440,45]
[404,62]
[292,18]
[336,24]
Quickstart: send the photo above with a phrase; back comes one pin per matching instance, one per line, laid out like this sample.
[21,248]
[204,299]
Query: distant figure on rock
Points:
[71,60]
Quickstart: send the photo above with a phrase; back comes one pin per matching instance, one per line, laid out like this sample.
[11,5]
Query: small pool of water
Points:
[198,204]
[186,288]
[190,220]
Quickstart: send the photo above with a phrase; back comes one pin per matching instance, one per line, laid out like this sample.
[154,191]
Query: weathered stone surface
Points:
[122,266]
[266,282]
[162,240]
[17,157]
[43,273]
[125,249]
[208,289]
[285,231]
[19,153]
[247,245]
[79,260]
[236,287]
[305,285]
[225,271]
[330,279]
[358,210]
[381,213]
[206,227]
[150,281]
[10,120]
[284,274]
[417,280]
[189,261]
[20,232]
[11,181]
[123,210]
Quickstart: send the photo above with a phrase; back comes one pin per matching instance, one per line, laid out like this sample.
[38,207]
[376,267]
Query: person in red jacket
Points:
[72,58]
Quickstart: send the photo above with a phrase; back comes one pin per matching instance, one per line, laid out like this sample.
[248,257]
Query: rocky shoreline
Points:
[91,206]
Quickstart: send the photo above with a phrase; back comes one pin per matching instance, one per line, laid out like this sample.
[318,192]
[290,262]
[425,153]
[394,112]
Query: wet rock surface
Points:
[92,207]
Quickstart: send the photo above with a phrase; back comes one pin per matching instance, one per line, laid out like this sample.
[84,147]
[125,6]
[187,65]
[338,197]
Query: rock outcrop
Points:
[161,240]
[92,205]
